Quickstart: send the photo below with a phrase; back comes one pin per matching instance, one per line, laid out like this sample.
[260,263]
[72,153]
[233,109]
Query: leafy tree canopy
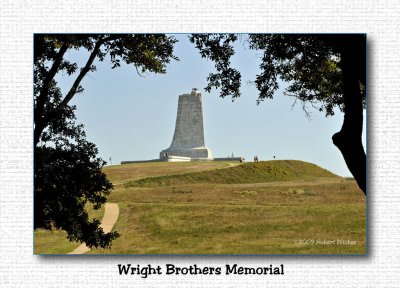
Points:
[326,70]
[309,63]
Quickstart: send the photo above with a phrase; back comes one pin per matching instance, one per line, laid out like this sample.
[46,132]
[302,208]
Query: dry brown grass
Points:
[119,174]
[250,218]
[240,219]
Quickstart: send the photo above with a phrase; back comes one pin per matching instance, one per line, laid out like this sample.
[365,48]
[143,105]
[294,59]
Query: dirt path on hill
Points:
[111,213]
[231,165]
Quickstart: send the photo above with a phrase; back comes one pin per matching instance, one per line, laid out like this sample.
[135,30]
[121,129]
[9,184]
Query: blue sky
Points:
[132,117]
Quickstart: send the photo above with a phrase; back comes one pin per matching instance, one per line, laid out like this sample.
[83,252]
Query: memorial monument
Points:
[188,142]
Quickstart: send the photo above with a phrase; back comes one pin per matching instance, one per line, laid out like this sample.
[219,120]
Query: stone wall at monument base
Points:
[195,153]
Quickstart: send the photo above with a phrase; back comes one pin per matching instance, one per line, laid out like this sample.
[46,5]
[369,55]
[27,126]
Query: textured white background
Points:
[20,19]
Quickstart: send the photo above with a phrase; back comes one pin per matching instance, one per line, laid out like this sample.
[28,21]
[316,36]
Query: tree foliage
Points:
[309,63]
[219,48]
[67,172]
[67,175]
[325,70]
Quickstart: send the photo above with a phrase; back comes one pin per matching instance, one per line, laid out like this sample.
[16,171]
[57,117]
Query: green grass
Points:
[254,208]
[259,172]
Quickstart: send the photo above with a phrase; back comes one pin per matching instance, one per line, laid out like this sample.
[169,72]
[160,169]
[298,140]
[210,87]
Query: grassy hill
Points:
[260,172]
[229,208]
[120,174]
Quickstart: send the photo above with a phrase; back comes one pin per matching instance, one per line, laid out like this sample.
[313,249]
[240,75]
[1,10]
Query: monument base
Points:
[177,159]
[195,154]
[172,158]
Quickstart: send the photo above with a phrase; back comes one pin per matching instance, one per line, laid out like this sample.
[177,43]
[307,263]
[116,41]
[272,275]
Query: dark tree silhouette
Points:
[67,172]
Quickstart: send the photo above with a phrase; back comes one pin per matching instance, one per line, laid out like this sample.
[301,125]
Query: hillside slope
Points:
[119,174]
[260,172]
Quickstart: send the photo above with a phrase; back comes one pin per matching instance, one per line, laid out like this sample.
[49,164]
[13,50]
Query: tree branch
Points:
[44,93]
[82,74]
[40,124]
[85,70]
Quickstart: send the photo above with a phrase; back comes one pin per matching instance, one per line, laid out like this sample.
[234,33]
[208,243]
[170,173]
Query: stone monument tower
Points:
[188,141]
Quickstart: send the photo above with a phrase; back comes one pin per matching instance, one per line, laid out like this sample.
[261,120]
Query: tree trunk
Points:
[348,139]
